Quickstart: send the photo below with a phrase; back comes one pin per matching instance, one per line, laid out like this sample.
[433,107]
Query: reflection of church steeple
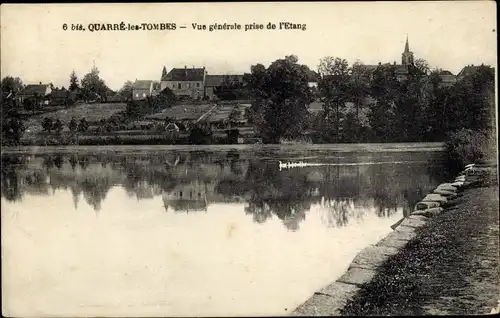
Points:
[407,56]
[76,199]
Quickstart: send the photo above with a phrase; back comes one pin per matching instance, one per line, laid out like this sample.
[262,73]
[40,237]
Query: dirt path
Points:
[452,267]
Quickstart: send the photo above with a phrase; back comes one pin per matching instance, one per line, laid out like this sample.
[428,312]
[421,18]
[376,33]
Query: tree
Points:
[409,105]
[72,126]
[93,85]
[422,66]
[12,131]
[57,126]
[334,90]
[47,124]
[127,90]
[384,88]
[359,86]
[281,95]
[73,81]
[11,85]
[199,134]
[83,126]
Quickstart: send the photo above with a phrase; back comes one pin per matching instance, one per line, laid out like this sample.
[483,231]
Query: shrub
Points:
[12,131]
[47,124]
[469,146]
[200,134]
[83,126]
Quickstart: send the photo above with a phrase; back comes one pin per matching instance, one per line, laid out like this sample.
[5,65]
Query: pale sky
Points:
[34,46]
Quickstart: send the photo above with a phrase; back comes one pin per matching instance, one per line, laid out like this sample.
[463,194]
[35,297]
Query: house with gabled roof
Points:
[467,71]
[447,78]
[38,92]
[188,82]
[142,89]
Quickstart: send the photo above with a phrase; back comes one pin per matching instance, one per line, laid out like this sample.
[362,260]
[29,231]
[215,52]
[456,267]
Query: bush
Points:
[469,146]
[200,134]
[47,124]
[12,131]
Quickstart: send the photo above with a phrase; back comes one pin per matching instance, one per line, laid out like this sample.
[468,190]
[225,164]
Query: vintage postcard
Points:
[249,159]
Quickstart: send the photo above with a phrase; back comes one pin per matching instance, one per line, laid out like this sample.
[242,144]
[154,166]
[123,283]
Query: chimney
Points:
[40,83]
[394,62]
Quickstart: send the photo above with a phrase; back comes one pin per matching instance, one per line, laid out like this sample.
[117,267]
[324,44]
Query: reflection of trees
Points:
[338,212]
[95,191]
[287,194]
[284,194]
[10,181]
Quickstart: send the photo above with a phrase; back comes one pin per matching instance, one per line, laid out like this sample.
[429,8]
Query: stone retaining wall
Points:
[330,300]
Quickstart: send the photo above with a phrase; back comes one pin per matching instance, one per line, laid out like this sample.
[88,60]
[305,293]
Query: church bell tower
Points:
[407,56]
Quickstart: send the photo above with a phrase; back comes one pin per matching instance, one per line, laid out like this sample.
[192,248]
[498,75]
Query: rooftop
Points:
[143,84]
[185,74]
[33,89]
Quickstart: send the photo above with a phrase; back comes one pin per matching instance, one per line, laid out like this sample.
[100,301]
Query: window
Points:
[179,85]
[143,94]
[137,95]
[180,194]
[197,84]
[188,85]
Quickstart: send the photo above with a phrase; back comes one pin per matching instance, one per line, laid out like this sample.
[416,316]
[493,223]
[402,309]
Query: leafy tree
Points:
[127,90]
[422,66]
[409,107]
[83,125]
[57,126]
[73,125]
[11,85]
[359,86]
[200,134]
[47,124]
[384,88]
[281,97]
[93,85]
[334,89]
[73,81]
[12,131]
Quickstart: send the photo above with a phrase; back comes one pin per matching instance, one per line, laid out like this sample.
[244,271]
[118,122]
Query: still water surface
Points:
[182,231]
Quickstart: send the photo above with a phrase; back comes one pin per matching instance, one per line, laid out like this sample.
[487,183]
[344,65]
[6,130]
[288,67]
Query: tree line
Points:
[363,105]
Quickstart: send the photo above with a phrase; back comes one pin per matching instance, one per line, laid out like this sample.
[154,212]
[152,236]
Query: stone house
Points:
[447,78]
[142,89]
[467,71]
[37,92]
[186,82]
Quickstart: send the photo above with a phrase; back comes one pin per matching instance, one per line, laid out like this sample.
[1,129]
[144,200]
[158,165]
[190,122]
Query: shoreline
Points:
[349,290]
[340,148]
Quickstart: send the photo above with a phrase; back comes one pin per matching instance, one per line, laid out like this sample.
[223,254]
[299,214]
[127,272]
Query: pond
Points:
[188,231]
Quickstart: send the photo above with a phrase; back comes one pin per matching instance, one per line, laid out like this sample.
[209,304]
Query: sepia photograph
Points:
[213,159]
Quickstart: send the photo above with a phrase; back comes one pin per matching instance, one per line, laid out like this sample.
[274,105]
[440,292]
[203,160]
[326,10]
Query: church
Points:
[402,70]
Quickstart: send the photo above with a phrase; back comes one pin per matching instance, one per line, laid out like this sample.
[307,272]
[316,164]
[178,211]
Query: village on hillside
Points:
[189,105]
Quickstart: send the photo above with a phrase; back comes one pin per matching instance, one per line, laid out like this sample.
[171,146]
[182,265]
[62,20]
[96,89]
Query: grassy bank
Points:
[451,267]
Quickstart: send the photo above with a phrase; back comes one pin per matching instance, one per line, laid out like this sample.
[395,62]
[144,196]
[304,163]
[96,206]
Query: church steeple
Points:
[407,56]
[164,73]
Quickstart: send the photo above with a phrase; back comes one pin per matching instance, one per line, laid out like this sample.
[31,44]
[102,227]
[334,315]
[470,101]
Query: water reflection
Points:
[169,226]
[191,181]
